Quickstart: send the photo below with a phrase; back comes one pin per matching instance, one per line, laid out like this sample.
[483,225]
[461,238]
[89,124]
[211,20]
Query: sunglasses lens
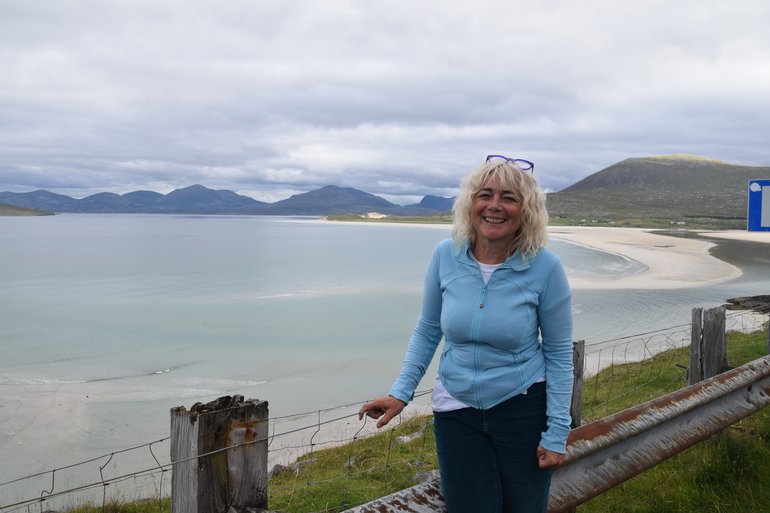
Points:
[524,165]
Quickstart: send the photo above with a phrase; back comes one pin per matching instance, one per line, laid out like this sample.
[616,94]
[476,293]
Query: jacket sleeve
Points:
[425,337]
[555,317]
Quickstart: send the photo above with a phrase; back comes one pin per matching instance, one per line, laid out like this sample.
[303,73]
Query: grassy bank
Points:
[689,223]
[10,210]
[729,473]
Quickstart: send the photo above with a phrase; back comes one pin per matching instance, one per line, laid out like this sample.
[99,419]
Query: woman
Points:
[502,303]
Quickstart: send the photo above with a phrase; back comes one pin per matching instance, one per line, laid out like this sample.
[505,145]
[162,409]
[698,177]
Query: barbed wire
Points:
[609,393]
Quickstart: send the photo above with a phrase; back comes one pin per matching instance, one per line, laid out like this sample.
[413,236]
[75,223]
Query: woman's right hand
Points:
[382,408]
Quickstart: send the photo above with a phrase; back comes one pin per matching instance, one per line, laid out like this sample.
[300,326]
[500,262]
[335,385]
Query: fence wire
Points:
[371,464]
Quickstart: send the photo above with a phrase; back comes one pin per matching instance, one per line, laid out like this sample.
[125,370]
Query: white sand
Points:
[672,262]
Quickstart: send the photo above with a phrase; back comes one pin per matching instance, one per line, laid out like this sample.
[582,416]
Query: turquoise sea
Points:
[108,321]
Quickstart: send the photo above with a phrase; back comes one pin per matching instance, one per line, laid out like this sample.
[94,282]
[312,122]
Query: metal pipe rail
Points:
[606,452]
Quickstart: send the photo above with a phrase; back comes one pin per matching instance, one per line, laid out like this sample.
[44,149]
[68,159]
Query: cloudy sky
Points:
[396,98]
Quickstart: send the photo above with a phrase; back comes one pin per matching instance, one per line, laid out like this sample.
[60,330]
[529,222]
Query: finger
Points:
[372,414]
[384,420]
[367,409]
[551,460]
[388,416]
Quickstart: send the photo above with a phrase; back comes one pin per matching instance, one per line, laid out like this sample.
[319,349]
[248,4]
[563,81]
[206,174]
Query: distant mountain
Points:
[104,202]
[39,200]
[667,189]
[670,187]
[331,200]
[437,203]
[197,199]
[144,199]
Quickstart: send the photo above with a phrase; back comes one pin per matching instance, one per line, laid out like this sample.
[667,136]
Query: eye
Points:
[483,195]
[511,198]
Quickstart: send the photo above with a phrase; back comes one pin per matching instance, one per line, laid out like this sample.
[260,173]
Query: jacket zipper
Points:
[475,338]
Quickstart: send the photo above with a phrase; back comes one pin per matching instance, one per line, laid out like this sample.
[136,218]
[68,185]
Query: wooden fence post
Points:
[578,361]
[209,478]
[695,369]
[708,344]
[714,342]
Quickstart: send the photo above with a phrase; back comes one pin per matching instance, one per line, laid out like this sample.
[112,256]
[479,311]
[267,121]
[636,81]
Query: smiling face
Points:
[495,214]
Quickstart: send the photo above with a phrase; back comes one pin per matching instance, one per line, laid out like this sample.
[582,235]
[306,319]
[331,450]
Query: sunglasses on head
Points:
[523,164]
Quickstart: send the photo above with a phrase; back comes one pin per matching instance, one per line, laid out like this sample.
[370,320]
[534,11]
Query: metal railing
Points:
[606,452]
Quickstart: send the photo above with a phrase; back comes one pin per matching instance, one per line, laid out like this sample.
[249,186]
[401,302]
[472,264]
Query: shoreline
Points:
[671,262]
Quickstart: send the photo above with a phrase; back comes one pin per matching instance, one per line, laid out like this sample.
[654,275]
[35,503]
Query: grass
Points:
[624,385]
[10,210]
[341,478]
[149,506]
[688,223]
[729,473]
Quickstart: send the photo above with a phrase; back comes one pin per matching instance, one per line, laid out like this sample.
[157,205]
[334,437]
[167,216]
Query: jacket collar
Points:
[515,262]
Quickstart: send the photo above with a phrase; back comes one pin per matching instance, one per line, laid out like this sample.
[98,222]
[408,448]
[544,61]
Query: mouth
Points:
[494,220]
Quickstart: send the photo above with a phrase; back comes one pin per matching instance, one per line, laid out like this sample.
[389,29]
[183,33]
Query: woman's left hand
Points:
[546,458]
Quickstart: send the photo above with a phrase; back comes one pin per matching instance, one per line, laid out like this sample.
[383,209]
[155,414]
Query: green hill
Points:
[10,210]
[665,190]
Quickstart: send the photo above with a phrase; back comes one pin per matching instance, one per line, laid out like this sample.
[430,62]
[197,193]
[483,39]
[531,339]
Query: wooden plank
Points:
[184,448]
[714,342]
[695,370]
[578,362]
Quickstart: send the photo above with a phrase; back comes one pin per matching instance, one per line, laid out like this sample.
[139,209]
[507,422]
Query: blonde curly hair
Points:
[534,217]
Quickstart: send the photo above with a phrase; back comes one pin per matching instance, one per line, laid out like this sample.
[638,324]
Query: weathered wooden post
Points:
[578,361]
[694,371]
[714,342]
[708,348]
[209,477]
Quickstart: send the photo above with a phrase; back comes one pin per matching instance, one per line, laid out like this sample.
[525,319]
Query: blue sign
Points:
[759,206]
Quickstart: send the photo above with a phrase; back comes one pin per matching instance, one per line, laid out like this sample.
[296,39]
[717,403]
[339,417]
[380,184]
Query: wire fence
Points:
[655,362]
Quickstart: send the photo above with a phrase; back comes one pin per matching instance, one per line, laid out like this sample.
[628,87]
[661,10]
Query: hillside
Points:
[669,189]
[652,192]
[10,210]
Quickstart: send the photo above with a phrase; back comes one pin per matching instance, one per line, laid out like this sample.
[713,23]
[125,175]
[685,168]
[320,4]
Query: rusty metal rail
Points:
[604,453]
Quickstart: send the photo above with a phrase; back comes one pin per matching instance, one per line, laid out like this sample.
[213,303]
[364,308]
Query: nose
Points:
[494,203]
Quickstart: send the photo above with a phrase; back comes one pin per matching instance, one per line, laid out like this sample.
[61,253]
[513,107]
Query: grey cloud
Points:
[399,99]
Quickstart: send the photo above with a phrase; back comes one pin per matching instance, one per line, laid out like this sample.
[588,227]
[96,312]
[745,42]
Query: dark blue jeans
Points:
[488,458]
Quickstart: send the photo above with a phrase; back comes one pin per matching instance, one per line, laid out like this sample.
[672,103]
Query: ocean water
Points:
[108,321]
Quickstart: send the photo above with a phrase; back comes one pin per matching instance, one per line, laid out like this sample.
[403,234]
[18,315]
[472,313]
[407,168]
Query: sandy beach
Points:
[672,262]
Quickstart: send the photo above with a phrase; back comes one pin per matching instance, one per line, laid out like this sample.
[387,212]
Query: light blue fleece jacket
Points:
[500,337]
